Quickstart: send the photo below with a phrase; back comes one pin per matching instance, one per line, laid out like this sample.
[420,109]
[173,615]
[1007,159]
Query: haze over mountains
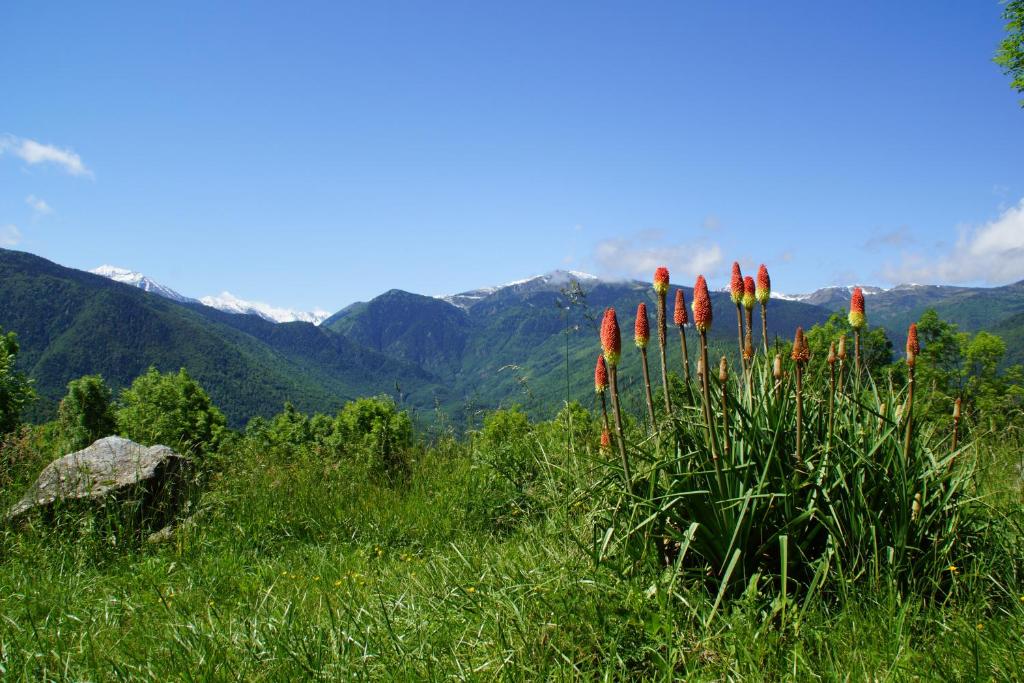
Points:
[531,341]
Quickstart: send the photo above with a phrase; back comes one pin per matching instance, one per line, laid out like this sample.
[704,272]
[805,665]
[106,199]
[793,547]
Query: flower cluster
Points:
[642,328]
[600,375]
[856,317]
[680,317]
[611,338]
[801,351]
[701,305]
[661,280]
[764,285]
[736,284]
[748,293]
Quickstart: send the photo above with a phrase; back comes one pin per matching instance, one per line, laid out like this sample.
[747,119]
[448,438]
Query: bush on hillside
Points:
[16,391]
[170,409]
[85,414]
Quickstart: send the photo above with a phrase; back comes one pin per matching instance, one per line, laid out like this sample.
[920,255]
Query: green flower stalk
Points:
[857,321]
[601,387]
[611,345]
[800,355]
[913,349]
[736,294]
[831,389]
[661,289]
[956,431]
[702,316]
[642,335]
[762,294]
[681,318]
[841,354]
[723,378]
[749,298]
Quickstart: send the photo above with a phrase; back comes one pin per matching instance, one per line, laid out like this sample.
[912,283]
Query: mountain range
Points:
[532,341]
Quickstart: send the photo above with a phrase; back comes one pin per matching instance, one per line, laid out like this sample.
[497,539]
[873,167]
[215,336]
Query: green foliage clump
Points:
[1010,55]
[86,413]
[503,445]
[170,409]
[374,430]
[15,389]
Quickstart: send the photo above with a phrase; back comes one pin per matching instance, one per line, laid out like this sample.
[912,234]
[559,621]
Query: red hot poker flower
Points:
[764,285]
[856,317]
[606,440]
[701,305]
[801,352]
[600,375]
[748,293]
[611,339]
[681,316]
[642,328]
[661,280]
[736,284]
[913,346]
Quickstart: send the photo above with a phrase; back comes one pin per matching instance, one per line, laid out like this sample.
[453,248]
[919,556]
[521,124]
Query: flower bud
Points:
[642,327]
[857,318]
[661,280]
[681,317]
[611,338]
[736,284]
[748,293]
[701,305]
[600,375]
[764,285]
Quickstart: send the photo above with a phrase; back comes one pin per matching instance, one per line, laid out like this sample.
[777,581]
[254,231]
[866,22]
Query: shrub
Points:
[85,414]
[15,389]
[170,409]
[375,431]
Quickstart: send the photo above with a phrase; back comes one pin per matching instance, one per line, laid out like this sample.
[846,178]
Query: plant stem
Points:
[662,339]
[910,414]
[750,326]
[604,413]
[707,394]
[856,352]
[739,331]
[764,327]
[686,360]
[725,418]
[831,401]
[613,374]
[647,390]
[799,411]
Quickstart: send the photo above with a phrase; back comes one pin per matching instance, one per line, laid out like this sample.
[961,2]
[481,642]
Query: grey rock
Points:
[111,468]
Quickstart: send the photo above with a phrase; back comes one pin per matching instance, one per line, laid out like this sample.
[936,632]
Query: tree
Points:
[375,430]
[86,413]
[15,389]
[170,409]
[1010,54]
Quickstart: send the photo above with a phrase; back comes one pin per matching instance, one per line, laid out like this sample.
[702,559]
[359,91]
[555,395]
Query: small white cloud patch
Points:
[33,152]
[39,206]
[992,253]
[638,255]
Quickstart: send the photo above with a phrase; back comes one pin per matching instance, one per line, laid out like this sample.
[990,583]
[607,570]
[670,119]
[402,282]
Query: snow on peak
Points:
[229,303]
[136,279]
[226,301]
[554,278]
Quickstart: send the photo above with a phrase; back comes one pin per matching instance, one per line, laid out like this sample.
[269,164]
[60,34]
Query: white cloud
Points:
[9,235]
[639,254]
[992,253]
[39,206]
[32,152]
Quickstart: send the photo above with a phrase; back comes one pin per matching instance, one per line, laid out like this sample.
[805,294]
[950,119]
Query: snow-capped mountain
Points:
[828,295]
[229,303]
[135,279]
[225,301]
[552,281]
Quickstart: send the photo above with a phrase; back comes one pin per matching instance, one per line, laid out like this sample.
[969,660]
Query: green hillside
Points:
[71,323]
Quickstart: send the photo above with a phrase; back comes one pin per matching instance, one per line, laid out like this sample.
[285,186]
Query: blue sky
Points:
[313,154]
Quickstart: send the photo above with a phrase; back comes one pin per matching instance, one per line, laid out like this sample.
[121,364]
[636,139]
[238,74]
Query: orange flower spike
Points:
[736,284]
[748,293]
[611,338]
[642,328]
[801,352]
[606,440]
[661,280]
[856,317]
[913,346]
[701,305]
[600,375]
[681,316]
[764,285]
